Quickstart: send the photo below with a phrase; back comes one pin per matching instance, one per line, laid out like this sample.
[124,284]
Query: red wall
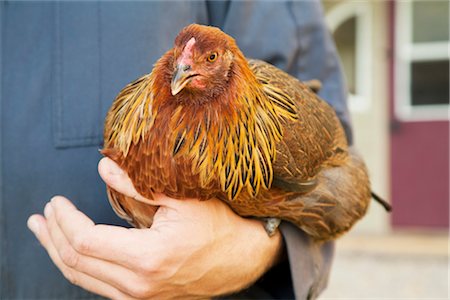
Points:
[420,174]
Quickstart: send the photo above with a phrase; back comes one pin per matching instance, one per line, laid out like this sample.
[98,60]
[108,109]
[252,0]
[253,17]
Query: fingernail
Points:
[54,198]
[33,225]
[48,210]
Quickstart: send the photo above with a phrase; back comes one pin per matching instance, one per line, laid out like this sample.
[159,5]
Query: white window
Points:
[422,60]
[350,22]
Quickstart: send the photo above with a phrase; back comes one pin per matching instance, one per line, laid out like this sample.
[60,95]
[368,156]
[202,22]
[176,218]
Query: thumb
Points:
[118,179]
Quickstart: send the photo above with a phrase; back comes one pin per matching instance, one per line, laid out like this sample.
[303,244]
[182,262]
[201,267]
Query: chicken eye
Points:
[212,57]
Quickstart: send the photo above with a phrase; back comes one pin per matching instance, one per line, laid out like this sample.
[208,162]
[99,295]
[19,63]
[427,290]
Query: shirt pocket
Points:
[77,106]
[102,46]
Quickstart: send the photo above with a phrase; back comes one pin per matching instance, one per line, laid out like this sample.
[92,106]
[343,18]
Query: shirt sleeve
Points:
[318,59]
[309,261]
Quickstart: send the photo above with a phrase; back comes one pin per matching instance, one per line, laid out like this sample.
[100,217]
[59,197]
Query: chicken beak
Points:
[181,77]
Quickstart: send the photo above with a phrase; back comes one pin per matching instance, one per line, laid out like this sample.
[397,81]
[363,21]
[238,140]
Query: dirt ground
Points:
[395,266]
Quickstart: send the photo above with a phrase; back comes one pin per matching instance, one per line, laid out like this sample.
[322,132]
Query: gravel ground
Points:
[360,272]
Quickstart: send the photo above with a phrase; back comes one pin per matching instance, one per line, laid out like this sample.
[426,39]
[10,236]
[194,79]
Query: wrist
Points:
[257,251]
[269,248]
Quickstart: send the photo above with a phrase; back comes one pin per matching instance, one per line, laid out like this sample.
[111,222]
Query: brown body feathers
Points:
[208,123]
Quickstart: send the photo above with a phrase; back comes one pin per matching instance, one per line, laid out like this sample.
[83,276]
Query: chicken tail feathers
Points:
[382,202]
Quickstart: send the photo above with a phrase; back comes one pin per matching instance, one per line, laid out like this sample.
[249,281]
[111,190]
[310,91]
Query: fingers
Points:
[113,274]
[38,226]
[106,242]
[117,179]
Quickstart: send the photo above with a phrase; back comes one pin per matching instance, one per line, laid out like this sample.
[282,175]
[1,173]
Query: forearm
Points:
[258,252]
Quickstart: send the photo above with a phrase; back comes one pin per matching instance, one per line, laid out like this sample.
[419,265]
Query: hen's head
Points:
[203,61]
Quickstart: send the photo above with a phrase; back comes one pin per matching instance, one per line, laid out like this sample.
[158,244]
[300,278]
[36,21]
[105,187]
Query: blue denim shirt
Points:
[61,65]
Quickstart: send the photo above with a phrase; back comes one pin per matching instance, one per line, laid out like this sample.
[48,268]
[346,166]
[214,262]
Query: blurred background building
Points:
[396,60]
[395,56]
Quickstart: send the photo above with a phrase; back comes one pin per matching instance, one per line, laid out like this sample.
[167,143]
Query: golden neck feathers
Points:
[230,139]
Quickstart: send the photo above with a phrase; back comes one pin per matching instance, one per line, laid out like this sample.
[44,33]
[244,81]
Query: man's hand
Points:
[194,248]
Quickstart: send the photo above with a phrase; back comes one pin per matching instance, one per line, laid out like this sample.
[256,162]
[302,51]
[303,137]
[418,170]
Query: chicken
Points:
[208,123]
